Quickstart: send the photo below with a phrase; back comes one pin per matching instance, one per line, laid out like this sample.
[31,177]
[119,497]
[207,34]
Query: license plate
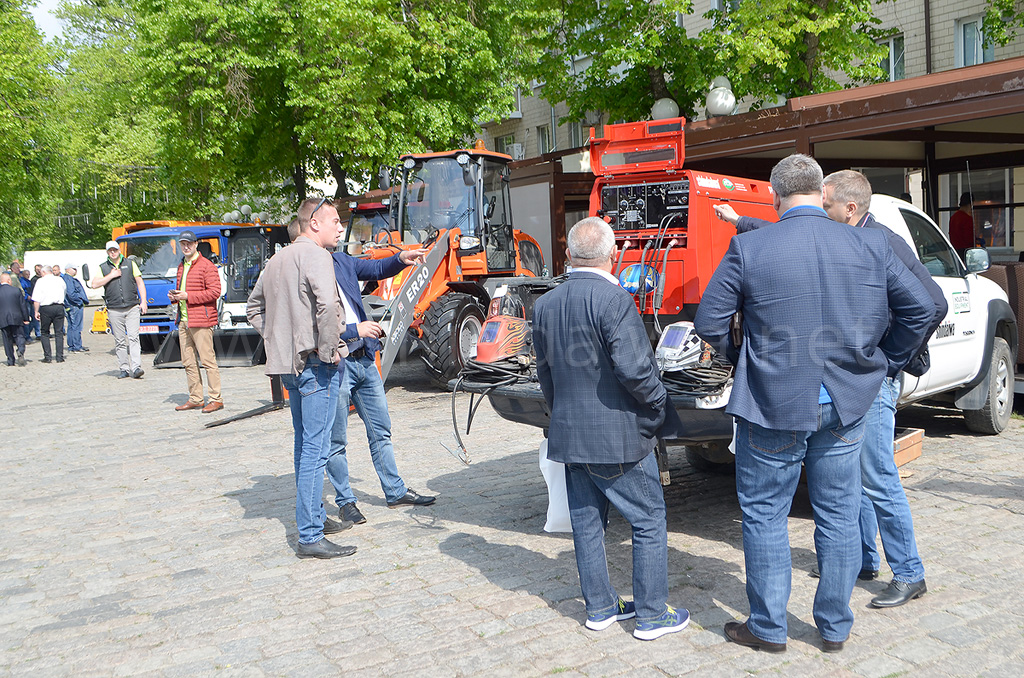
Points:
[149,329]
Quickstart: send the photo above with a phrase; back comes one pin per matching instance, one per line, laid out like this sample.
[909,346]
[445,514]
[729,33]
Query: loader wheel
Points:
[993,417]
[451,328]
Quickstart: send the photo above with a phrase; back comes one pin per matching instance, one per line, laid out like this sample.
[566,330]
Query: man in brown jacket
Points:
[197,292]
[296,308]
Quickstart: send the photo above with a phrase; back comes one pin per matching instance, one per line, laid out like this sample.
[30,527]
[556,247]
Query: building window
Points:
[503,144]
[970,43]
[575,134]
[892,63]
[544,139]
[994,204]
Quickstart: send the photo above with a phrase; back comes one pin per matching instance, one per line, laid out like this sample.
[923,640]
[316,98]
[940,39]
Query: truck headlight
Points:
[469,242]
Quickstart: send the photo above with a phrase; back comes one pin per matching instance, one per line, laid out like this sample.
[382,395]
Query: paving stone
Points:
[182,560]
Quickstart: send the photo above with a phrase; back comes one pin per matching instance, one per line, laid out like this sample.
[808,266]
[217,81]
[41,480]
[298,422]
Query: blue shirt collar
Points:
[803,207]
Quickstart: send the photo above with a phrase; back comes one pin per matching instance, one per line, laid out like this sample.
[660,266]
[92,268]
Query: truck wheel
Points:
[711,458]
[451,328]
[995,415]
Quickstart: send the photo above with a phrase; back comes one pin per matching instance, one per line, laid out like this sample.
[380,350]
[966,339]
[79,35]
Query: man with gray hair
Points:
[817,342]
[601,383]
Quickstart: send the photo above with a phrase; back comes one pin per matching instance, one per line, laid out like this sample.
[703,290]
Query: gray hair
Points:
[590,241]
[797,174]
[850,186]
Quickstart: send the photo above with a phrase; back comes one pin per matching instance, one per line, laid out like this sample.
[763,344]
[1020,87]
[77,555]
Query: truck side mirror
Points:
[384,178]
[977,260]
[469,174]
[85,272]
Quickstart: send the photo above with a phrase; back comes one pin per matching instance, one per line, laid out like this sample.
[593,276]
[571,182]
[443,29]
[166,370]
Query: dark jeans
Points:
[52,315]
[13,336]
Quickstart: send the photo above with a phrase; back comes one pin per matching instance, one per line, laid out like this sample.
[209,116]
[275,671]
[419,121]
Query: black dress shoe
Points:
[333,527]
[741,635]
[46,360]
[351,513]
[412,498]
[899,593]
[865,575]
[323,549]
[60,360]
[832,645]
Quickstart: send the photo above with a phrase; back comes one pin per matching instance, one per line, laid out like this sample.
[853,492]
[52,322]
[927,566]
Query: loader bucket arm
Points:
[402,309]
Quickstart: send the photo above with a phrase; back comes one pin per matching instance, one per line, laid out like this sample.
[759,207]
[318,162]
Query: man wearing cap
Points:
[124,294]
[74,301]
[196,293]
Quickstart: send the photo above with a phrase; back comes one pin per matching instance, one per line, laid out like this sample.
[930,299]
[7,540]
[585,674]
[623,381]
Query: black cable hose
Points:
[699,382]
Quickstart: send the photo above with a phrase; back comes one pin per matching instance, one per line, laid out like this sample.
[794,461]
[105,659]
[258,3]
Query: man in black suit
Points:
[601,383]
[14,316]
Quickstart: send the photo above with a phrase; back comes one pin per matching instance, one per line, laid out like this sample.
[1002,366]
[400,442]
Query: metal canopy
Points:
[936,122]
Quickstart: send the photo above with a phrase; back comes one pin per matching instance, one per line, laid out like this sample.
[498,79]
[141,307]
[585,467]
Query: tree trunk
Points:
[339,175]
[299,179]
[659,88]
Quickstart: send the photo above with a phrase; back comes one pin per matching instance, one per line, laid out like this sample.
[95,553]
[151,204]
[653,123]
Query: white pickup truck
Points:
[972,352]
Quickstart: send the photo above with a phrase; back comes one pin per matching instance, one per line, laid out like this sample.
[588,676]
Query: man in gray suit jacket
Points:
[601,383]
[816,299]
[296,309]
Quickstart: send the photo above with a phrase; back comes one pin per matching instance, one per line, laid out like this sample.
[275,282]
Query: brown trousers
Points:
[197,348]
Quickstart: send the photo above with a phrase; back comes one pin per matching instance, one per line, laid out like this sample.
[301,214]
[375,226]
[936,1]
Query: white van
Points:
[87,261]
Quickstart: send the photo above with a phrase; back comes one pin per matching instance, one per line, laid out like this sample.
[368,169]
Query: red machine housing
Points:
[662,214]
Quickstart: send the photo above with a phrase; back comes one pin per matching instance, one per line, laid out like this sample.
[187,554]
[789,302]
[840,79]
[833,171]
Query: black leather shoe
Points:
[123,375]
[323,549]
[352,514]
[60,360]
[865,575]
[333,527]
[412,498]
[832,645]
[899,593]
[741,635]
[46,360]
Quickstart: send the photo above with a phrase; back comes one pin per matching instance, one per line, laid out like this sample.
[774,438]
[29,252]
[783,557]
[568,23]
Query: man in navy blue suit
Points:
[816,299]
[361,383]
[601,383]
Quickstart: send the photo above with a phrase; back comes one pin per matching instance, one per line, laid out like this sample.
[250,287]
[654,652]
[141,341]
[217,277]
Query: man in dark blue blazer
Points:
[14,316]
[601,383]
[361,383]
[815,298]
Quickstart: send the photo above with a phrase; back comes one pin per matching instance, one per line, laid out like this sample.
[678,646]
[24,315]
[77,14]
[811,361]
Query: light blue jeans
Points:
[883,503]
[767,471]
[635,492]
[362,385]
[313,399]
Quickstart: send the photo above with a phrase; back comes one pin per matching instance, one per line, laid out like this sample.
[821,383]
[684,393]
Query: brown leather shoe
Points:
[188,406]
[741,635]
[213,406]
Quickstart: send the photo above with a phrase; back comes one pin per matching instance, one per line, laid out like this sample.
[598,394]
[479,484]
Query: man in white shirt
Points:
[48,299]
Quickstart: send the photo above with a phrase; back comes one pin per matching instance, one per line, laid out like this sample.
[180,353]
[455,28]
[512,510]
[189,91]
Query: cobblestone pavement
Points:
[137,542]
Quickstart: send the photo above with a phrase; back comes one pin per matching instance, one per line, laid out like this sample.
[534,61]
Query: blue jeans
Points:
[74,333]
[313,398]
[883,502]
[361,383]
[635,491]
[767,472]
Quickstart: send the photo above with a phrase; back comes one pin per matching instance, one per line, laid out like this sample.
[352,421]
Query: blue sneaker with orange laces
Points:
[672,621]
[601,621]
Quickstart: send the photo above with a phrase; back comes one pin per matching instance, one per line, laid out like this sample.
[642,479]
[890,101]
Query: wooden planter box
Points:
[907,445]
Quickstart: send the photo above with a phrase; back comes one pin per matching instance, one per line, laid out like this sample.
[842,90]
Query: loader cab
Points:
[248,249]
[467,190]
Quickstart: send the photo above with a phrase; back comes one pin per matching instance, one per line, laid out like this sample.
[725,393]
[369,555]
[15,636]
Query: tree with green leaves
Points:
[29,165]
[619,56]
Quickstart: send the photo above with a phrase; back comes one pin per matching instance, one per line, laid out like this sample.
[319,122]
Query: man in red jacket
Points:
[197,292]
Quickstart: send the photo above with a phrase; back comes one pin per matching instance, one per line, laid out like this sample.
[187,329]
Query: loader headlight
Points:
[462,158]
[469,242]
[409,163]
